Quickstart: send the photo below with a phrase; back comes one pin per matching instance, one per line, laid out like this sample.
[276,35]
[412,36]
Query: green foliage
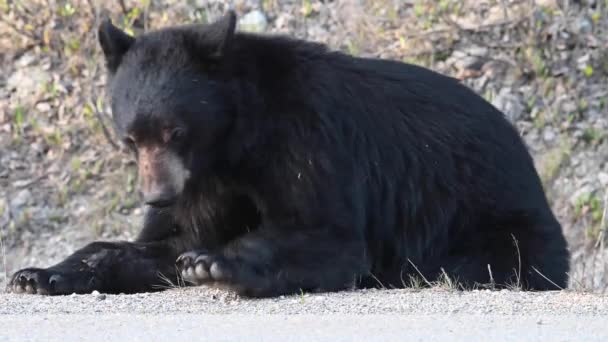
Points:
[593,136]
[131,181]
[306,8]
[19,118]
[67,10]
[589,203]
[353,47]
[553,162]
[591,206]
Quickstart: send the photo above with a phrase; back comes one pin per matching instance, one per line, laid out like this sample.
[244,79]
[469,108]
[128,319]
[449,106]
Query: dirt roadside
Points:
[203,300]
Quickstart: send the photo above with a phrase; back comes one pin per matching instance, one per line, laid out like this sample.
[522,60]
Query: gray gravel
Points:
[410,302]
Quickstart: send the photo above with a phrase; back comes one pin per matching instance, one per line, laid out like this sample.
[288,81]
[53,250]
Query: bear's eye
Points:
[177,135]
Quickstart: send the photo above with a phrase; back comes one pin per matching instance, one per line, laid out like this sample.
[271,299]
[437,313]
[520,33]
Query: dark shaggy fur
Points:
[297,168]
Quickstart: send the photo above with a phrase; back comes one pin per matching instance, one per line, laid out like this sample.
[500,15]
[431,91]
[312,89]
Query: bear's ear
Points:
[114,43]
[213,40]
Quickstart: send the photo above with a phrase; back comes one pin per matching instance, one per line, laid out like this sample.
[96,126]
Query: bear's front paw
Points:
[198,267]
[50,282]
[34,281]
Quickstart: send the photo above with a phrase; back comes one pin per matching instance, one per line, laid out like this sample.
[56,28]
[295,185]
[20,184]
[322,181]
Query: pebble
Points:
[548,134]
[510,103]
[254,21]
[43,107]
[21,199]
[467,58]
[583,25]
[603,178]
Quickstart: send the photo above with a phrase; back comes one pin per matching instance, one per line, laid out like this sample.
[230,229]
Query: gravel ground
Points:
[401,302]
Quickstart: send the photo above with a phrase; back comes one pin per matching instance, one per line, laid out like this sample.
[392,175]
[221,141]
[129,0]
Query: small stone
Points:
[26,81]
[583,25]
[26,60]
[101,296]
[585,189]
[469,58]
[509,103]
[569,106]
[548,134]
[43,107]
[21,183]
[95,293]
[582,170]
[254,21]
[603,178]
[21,199]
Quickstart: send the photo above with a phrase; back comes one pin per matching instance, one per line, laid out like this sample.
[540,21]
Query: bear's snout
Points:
[162,176]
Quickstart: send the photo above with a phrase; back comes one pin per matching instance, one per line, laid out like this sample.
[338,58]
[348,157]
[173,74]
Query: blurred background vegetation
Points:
[65,181]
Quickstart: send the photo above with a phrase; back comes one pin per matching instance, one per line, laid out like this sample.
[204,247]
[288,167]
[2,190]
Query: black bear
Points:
[272,165]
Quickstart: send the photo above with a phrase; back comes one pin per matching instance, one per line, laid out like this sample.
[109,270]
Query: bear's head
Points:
[170,101]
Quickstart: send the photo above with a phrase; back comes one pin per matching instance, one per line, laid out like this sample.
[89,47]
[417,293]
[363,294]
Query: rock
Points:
[582,25]
[584,62]
[548,134]
[43,107]
[582,170]
[26,60]
[509,103]
[254,21]
[21,199]
[26,82]
[98,296]
[547,3]
[284,22]
[469,58]
[603,178]
[586,189]
[569,106]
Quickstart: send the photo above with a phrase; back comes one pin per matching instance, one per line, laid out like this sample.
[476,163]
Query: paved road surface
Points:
[392,315]
[202,327]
